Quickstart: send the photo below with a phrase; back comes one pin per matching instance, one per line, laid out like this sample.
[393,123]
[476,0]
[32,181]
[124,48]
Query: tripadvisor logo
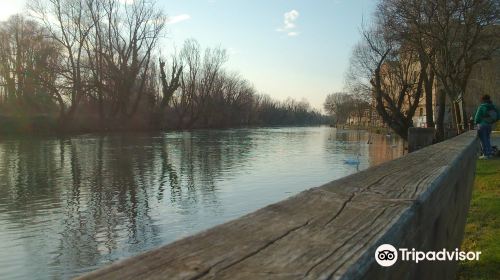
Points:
[386,255]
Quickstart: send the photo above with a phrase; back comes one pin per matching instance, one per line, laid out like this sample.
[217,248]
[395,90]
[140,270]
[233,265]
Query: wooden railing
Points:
[331,232]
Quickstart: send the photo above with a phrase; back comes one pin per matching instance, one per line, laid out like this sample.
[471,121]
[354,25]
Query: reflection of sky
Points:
[69,206]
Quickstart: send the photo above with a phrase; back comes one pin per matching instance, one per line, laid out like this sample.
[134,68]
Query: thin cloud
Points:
[289,26]
[178,18]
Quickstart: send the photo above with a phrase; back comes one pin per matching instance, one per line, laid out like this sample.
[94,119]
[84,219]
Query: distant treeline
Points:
[89,65]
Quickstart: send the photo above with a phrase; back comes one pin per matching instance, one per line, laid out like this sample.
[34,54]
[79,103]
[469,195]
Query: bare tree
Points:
[168,87]
[68,24]
[339,105]
[452,37]
[213,60]
[133,32]
[202,73]
[107,50]
[25,55]
[184,103]
[393,73]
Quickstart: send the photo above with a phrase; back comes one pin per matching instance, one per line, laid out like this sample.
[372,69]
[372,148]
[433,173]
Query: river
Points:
[71,205]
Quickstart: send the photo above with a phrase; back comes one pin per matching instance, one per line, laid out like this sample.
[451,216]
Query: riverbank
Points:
[48,126]
[373,129]
[483,222]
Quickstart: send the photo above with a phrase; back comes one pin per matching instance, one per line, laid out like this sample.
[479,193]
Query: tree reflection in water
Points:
[71,205]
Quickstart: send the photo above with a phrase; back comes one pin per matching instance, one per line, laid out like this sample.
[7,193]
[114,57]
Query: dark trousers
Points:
[484,134]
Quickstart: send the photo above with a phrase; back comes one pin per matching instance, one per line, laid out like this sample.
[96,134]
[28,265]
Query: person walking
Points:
[486,115]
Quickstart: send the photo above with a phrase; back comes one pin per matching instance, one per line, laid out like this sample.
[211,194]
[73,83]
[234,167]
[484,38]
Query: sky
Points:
[285,48]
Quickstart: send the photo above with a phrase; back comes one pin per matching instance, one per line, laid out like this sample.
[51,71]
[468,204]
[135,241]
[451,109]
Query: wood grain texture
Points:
[331,232]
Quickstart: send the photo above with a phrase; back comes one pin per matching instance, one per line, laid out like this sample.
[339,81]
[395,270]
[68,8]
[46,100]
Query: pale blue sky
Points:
[302,54]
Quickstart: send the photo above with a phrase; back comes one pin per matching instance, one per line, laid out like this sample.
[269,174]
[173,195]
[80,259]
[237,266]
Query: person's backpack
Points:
[491,116]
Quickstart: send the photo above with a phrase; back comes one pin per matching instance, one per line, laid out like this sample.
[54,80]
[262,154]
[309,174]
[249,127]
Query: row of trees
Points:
[420,48]
[342,105]
[209,96]
[92,64]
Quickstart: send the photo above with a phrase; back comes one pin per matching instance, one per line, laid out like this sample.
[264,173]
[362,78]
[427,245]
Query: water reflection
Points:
[71,205]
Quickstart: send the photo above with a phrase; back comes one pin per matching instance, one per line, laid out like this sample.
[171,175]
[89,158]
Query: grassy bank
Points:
[482,231]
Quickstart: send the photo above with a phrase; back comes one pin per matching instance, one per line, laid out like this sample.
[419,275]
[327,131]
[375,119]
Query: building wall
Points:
[484,79]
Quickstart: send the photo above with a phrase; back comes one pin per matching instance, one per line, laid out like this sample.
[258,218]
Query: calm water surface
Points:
[68,206]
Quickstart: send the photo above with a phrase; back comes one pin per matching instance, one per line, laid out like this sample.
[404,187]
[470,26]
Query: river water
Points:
[68,206]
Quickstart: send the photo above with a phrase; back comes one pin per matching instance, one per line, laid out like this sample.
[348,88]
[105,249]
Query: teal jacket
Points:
[482,113]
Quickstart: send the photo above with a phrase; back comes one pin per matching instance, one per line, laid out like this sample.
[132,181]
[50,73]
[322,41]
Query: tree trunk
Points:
[429,110]
[440,116]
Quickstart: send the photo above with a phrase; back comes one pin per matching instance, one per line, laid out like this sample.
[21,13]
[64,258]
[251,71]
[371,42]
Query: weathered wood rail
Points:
[331,232]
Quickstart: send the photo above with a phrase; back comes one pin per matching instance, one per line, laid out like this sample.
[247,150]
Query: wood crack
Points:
[363,247]
[265,246]
[207,270]
[344,243]
[344,205]
[351,197]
